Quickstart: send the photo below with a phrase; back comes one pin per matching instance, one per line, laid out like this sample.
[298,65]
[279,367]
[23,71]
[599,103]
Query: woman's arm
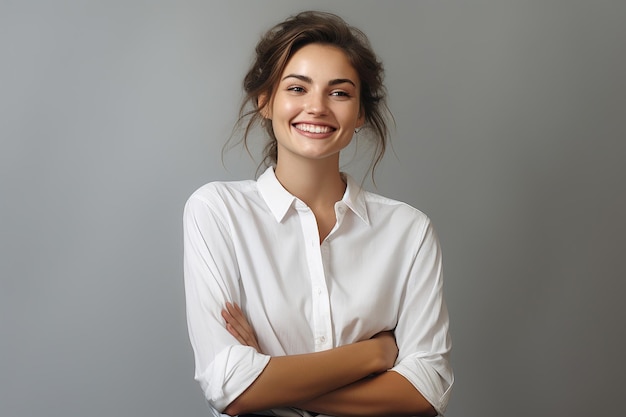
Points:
[288,380]
[386,394]
[226,366]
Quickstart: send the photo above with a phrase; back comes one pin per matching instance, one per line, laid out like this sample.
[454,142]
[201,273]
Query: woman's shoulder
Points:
[387,214]
[221,197]
[377,203]
[221,190]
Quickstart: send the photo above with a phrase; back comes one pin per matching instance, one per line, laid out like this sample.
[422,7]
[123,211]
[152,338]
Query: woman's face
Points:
[316,106]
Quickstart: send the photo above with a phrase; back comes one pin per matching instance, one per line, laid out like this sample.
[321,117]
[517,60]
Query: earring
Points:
[356,131]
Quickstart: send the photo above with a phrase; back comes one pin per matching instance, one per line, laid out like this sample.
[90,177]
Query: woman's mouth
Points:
[311,128]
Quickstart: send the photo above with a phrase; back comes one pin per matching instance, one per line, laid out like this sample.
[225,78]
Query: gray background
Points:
[510,135]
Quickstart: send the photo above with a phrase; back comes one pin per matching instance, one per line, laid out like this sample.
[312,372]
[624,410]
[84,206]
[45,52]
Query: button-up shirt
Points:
[255,244]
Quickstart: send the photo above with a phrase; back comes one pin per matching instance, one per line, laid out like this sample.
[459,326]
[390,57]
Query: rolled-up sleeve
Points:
[422,332]
[223,367]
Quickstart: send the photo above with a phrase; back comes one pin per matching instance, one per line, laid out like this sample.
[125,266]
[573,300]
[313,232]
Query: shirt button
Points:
[323,339]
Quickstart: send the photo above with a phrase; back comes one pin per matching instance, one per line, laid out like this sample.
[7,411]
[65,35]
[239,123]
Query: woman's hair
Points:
[281,42]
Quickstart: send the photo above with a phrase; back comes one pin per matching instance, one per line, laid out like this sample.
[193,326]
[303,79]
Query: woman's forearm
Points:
[288,380]
[387,394]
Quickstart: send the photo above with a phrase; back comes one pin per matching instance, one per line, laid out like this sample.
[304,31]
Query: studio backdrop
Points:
[510,134]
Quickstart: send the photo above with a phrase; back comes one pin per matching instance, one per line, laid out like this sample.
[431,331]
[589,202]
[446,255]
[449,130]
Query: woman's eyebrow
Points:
[309,80]
[303,78]
[341,81]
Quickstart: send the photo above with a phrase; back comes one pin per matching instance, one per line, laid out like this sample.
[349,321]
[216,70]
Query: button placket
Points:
[321,320]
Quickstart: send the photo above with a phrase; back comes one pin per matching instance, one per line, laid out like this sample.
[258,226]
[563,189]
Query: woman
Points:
[305,294]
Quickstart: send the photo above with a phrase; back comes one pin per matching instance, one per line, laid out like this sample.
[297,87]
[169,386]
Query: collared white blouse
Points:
[255,244]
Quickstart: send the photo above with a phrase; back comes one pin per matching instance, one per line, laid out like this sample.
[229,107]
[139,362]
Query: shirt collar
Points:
[276,197]
[354,198]
[280,200]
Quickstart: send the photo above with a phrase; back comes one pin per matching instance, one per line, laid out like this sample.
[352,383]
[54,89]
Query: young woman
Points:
[307,295]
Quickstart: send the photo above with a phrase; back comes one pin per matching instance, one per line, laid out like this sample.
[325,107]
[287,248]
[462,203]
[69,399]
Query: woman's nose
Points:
[316,104]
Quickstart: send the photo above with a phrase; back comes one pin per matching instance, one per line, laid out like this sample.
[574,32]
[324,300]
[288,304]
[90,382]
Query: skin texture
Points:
[315,109]
[383,394]
[319,87]
[325,96]
[289,380]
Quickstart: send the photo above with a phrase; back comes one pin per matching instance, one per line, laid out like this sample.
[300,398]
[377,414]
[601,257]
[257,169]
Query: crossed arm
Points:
[350,380]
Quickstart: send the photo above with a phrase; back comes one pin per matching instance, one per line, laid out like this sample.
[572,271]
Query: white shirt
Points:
[255,244]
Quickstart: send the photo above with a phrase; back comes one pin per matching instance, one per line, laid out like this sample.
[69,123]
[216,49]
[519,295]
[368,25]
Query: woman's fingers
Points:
[229,326]
[238,326]
[239,321]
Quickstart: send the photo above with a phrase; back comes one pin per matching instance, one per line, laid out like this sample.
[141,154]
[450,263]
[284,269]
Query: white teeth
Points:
[313,128]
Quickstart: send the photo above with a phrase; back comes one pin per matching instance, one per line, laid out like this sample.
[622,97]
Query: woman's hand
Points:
[389,349]
[238,326]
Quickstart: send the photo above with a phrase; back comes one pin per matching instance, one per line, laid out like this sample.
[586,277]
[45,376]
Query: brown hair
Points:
[279,44]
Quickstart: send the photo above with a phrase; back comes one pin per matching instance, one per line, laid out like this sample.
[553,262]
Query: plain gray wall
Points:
[510,135]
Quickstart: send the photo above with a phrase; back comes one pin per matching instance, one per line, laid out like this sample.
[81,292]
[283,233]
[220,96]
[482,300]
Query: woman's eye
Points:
[296,89]
[340,94]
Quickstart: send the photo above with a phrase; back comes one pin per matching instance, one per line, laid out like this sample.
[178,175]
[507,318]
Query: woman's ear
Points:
[264,106]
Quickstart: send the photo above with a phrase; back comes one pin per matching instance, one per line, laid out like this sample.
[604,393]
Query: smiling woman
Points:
[306,294]
[314,111]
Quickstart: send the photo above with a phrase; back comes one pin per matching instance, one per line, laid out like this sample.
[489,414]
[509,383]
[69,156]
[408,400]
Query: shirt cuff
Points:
[230,374]
[435,388]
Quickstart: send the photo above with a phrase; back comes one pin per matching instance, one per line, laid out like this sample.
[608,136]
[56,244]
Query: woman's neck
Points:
[317,183]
